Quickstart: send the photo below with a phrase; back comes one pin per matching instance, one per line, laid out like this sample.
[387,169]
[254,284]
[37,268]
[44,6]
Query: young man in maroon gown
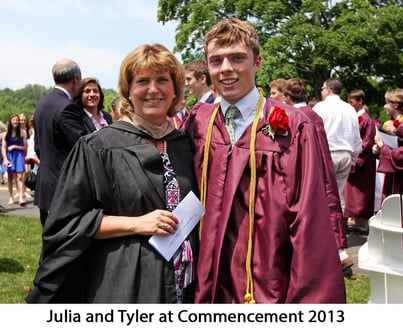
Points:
[266,236]
[296,94]
[359,192]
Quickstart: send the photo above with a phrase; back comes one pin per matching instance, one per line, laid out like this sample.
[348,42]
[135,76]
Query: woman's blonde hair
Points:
[156,58]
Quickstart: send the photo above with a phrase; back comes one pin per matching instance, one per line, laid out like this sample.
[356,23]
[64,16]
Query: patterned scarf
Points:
[183,258]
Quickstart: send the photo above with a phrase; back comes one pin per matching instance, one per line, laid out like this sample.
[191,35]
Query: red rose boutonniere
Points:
[396,123]
[360,118]
[278,123]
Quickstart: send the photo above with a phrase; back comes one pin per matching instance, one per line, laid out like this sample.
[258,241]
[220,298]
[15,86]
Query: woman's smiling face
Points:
[152,94]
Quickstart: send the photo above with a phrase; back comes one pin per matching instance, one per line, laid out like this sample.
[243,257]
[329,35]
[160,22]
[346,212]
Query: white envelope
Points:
[189,211]
[389,139]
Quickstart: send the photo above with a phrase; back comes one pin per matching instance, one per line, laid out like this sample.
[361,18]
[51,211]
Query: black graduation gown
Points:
[114,171]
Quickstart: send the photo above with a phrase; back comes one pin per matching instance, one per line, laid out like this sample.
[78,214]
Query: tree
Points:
[24,100]
[358,41]
[109,96]
[20,101]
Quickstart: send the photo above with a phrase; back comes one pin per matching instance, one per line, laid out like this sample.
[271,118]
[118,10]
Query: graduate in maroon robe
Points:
[391,160]
[359,192]
[296,94]
[266,236]
[177,120]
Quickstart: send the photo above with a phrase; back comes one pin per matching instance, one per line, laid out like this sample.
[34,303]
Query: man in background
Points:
[342,131]
[58,123]
[343,136]
[277,89]
[198,81]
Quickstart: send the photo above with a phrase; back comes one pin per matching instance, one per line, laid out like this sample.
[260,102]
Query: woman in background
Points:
[91,98]
[27,127]
[14,146]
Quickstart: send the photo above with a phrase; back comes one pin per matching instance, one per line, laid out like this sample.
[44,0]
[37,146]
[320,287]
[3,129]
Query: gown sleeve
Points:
[315,271]
[69,228]
[390,160]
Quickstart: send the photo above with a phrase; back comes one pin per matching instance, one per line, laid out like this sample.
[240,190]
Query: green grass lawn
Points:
[20,246]
[357,289]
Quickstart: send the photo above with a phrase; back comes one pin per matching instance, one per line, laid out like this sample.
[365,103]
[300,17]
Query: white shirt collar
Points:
[205,96]
[301,104]
[102,122]
[88,113]
[245,106]
[65,91]
[361,112]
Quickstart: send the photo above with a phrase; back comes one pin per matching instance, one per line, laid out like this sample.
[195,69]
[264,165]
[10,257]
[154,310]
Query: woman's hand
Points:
[157,222]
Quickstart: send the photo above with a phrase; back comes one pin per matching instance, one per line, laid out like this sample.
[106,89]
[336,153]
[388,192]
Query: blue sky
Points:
[97,34]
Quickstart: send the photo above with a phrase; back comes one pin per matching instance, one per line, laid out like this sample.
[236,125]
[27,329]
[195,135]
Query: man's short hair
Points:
[64,71]
[278,83]
[199,68]
[357,95]
[233,30]
[334,85]
[295,89]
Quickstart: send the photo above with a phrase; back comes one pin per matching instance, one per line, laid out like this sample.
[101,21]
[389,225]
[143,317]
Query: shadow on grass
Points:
[10,266]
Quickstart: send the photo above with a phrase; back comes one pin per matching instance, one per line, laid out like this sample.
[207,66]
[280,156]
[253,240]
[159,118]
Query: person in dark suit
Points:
[91,98]
[58,124]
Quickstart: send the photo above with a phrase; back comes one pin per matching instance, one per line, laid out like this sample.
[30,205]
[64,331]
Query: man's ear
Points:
[203,78]
[258,62]
[76,79]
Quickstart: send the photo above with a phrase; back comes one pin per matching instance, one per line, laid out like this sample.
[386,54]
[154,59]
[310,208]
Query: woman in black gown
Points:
[117,188]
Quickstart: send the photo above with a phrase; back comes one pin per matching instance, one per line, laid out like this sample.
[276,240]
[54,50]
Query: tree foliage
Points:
[20,101]
[24,100]
[358,41]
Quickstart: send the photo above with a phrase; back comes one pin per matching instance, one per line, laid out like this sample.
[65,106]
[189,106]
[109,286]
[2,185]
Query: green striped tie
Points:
[232,112]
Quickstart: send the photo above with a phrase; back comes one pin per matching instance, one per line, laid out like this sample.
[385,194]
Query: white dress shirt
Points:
[247,107]
[341,124]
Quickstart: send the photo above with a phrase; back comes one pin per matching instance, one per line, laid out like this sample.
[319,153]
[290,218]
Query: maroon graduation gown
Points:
[176,121]
[295,258]
[391,163]
[332,192]
[359,192]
